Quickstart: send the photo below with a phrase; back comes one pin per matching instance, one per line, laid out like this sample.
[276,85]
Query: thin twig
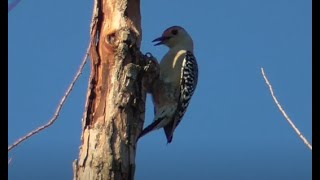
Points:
[9,161]
[283,112]
[13,5]
[62,102]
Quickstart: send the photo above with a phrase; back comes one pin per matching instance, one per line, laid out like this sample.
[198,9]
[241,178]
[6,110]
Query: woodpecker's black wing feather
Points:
[188,83]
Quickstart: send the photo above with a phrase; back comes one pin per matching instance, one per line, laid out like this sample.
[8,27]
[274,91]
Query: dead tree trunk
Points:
[114,112]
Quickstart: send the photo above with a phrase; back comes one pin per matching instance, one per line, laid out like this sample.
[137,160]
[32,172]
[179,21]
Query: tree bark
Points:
[115,106]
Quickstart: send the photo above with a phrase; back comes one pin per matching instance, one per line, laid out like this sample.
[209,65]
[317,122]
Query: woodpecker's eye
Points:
[174,32]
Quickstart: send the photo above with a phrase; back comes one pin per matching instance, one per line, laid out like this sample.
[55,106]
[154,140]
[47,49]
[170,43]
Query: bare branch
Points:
[283,112]
[62,102]
[9,161]
[13,5]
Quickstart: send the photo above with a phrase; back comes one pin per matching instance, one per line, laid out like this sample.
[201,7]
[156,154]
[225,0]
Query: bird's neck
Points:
[183,45]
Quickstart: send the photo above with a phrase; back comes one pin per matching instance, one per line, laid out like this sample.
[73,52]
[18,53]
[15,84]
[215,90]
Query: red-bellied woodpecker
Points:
[171,94]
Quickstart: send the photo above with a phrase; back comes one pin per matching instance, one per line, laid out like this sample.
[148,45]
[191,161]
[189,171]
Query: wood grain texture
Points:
[115,106]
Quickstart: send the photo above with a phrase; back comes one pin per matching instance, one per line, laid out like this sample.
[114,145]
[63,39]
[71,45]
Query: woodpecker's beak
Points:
[161,40]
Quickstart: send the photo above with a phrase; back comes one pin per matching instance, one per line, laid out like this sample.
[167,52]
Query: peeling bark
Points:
[115,106]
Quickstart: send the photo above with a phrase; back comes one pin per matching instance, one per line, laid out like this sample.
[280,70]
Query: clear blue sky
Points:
[232,130]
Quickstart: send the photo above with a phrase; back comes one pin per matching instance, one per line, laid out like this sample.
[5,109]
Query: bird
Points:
[178,79]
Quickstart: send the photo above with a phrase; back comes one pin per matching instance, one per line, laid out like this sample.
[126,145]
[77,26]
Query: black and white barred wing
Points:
[188,84]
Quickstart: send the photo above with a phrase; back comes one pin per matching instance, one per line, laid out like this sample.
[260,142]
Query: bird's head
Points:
[175,36]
